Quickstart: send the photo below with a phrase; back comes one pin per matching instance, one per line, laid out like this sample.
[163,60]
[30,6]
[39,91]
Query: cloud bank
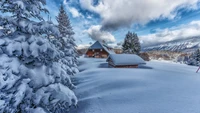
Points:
[181,32]
[124,13]
[96,33]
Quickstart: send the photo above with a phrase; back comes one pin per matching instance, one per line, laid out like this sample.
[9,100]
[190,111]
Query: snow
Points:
[126,59]
[21,94]
[96,45]
[20,4]
[36,110]
[9,66]
[158,87]
[110,51]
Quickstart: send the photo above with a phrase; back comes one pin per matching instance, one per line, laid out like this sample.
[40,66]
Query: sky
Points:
[155,21]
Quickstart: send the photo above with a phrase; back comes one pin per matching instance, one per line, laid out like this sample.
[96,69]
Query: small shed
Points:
[125,60]
[99,50]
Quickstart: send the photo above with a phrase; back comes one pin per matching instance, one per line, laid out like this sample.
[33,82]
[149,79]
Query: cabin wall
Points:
[131,66]
[97,53]
[118,51]
[125,66]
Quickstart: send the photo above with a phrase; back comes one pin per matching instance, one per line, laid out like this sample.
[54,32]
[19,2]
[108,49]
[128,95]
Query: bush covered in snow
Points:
[183,58]
[144,56]
[32,77]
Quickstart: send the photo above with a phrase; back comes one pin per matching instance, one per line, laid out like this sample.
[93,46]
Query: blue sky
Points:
[154,21]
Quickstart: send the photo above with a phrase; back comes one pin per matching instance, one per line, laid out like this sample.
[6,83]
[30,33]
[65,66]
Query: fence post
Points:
[198,69]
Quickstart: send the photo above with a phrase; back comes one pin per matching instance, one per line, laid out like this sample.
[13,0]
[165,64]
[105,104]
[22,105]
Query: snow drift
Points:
[158,87]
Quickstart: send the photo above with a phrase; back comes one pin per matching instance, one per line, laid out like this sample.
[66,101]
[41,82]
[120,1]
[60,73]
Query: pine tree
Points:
[131,44]
[32,79]
[194,58]
[68,42]
[197,56]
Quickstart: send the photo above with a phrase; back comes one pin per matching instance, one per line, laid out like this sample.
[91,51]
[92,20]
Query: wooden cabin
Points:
[99,50]
[125,61]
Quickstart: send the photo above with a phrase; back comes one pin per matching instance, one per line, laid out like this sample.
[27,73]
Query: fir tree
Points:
[194,58]
[131,44]
[68,42]
[197,56]
[32,79]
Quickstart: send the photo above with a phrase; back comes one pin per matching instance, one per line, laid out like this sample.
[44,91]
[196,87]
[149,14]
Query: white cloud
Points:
[83,46]
[96,33]
[181,32]
[115,45]
[65,2]
[89,17]
[120,13]
[74,12]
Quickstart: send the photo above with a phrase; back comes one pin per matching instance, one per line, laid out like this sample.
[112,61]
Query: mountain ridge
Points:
[181,45]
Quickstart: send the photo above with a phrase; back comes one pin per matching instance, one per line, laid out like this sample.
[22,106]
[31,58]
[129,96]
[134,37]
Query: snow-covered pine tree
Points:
[68,42]
[194,58]
[131,44]
[31,77]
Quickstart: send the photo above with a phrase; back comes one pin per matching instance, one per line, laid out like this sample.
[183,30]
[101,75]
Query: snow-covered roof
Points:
[125,59]
[110,51]
[96,45]
[99,45]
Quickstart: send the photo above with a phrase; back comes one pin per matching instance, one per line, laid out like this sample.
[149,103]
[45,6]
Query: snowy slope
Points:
[184,45]
[160,87]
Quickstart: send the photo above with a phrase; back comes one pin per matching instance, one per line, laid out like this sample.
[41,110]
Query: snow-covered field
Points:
[159,87]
